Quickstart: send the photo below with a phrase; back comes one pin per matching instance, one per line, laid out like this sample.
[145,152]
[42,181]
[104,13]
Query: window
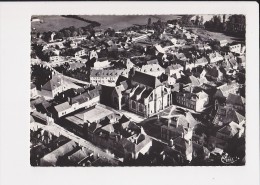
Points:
[133,105]
[141,109]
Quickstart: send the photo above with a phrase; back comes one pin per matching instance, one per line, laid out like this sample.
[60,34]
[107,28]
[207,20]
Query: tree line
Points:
[233,25]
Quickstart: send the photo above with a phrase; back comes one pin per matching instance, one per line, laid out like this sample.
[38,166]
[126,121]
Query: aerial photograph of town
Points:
[137,90]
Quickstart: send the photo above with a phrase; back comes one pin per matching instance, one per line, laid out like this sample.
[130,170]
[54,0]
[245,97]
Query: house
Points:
[79,53]
[152,69]
[214,57]
[194,101]
[235,48]
[33,91]
[84,100]
[54,58]
[203,47]
[173,78]
[54,86]
[226,115]
[107,76]
[173,69]
[223,91]
[223,43]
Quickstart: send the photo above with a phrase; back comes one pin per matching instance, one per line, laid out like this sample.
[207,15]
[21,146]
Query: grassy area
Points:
[216,35]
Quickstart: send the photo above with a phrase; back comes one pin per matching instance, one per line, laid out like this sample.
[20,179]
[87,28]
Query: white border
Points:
[14,82]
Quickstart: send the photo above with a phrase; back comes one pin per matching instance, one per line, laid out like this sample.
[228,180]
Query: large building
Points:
[194,101]
[144,95]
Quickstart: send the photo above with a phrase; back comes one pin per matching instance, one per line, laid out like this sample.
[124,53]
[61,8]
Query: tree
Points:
[80,31]
[149,22]
[67,33]
[201,20]
[197,20]
[74,33]
[58,35]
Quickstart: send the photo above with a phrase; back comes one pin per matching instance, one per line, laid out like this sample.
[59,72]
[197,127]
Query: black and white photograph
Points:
[109,92]
[143,90]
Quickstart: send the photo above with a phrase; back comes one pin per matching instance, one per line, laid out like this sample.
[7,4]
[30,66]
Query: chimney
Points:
[182,135]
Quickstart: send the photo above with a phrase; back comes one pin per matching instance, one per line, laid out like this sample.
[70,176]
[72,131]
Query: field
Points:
[55,22]
[216,35]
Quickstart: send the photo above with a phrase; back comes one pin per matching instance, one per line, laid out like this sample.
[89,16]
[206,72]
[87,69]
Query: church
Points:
[143,94]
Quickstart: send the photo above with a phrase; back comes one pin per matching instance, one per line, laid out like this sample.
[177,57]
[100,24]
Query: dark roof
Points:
[121,79]
[106,94]
[146,79]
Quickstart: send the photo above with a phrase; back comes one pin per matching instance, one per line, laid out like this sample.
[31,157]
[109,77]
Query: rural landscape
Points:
[137,90]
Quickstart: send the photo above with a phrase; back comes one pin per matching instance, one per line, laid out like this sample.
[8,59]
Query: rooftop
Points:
[146,79]
[94,114]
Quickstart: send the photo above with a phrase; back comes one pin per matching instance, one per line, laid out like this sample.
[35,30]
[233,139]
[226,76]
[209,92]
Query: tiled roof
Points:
[108,72]
[146,79]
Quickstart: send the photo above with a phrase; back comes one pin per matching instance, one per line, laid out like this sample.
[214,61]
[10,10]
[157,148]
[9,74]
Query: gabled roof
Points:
[227,115]
[52,83]
[146,79]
